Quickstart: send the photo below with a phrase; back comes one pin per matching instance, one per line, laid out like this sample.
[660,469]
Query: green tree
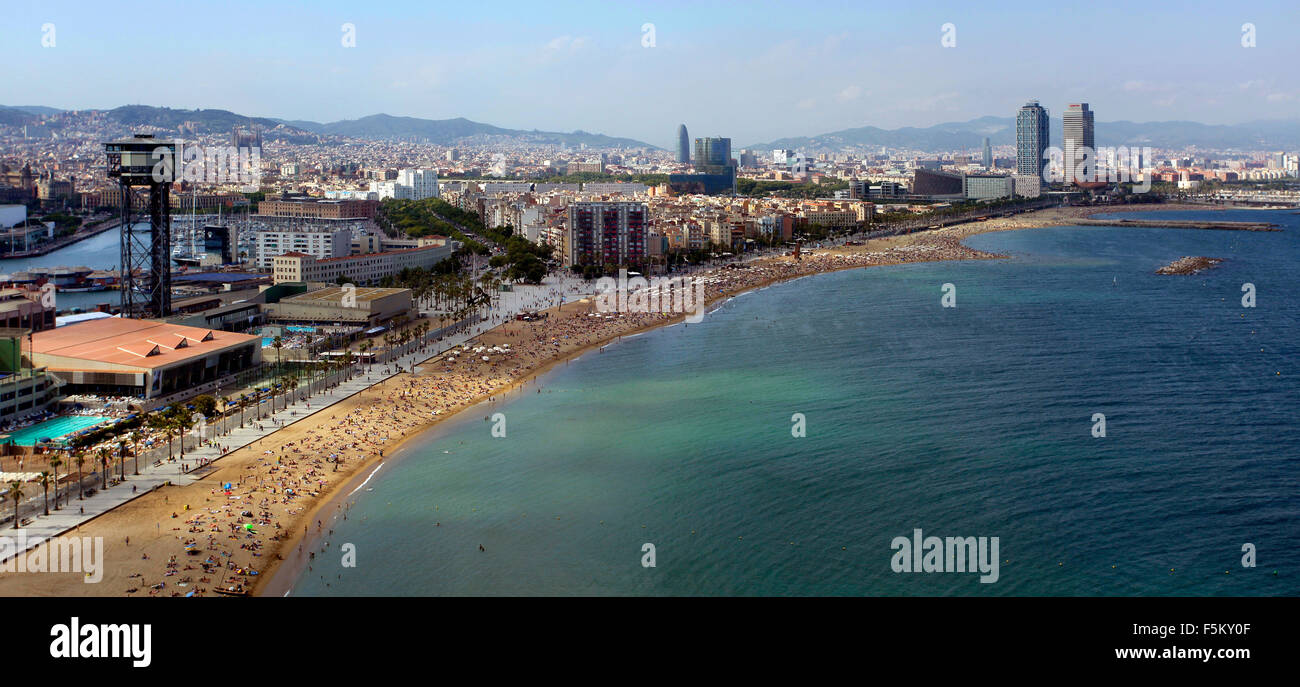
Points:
[16,495]
[55,462]
[44,481]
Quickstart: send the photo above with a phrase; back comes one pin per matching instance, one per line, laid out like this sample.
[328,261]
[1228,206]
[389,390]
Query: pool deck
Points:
[31,433]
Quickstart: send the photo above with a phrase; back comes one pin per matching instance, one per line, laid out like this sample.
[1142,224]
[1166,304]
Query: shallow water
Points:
[968,421]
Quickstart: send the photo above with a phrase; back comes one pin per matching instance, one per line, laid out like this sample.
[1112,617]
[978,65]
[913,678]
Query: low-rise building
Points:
[341,306]
[987,186]
[145,358]
[366,268]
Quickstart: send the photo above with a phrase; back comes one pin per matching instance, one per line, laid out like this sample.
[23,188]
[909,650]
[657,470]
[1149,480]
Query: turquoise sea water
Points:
[966,421]
[54,428]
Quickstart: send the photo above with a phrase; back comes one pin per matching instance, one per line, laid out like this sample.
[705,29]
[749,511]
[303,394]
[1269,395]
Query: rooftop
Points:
[334,294]
[133,343]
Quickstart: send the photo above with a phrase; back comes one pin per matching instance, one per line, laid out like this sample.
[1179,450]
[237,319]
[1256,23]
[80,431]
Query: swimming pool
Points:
[58,427]
[267,341]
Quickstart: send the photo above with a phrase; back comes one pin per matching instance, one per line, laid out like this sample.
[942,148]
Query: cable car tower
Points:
[144,164]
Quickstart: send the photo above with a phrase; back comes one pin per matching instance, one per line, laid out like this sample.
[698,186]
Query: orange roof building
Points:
[144,358]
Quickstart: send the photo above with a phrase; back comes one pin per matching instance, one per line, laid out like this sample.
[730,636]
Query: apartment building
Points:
[321,244]
[607,234]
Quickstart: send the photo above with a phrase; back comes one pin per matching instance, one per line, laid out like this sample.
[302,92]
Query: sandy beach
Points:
[286,489]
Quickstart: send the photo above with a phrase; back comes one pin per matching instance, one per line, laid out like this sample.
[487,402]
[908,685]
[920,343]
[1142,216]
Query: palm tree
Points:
[277,343]
[55,462]
[135,450]
[159,420]
[184,422]
[104,455]
[80,457]
[16,493]
[243,403]
[121,459]
[44,481]
[222,419]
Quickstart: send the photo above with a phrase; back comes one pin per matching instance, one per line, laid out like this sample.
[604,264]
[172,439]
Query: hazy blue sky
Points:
[754,71]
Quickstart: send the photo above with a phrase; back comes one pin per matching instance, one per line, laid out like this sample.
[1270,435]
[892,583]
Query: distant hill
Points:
[167,118]
[374,127]
[1265,134]
[13,116]
[449,131]
[33,109]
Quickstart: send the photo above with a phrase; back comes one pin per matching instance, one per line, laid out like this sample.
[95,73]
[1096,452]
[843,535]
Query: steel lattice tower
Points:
[144,165]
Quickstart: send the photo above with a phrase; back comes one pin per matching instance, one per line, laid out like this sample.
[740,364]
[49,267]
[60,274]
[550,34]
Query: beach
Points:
[285,489]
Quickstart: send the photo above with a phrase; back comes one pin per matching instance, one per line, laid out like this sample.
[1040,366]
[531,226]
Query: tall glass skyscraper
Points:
[683,145]
[712,152]
[1079,135]
[1032,139]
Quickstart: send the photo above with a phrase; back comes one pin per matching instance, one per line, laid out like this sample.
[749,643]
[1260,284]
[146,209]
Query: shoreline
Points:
[278,577]
[279,570]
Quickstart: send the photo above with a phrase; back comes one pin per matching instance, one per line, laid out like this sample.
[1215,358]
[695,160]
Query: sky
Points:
[754,71]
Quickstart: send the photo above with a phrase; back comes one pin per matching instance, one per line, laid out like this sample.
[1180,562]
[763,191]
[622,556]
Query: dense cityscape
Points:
[217,326]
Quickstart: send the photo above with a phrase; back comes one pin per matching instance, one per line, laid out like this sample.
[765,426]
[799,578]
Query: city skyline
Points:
[528,50]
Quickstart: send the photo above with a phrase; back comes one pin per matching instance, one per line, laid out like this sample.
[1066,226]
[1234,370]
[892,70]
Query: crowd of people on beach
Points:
[222,545]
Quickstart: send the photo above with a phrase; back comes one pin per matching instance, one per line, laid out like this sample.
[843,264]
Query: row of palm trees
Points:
[457,293]
[317,375]
[176,420]
[48,479]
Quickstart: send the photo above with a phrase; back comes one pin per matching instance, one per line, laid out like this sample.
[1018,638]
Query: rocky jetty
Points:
[1189,265]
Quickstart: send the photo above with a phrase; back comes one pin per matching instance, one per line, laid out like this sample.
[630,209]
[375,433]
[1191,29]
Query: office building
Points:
[367,268]
[715,171]
[712,152]
[683,145]
[1032,139]
[987,186]
[1080,148]
[930,183]
[720,183]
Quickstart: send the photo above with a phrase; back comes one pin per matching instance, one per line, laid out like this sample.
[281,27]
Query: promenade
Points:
[227,437]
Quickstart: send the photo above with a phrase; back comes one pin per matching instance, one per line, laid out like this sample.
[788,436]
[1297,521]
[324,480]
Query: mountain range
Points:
[374,127]
[1257,135]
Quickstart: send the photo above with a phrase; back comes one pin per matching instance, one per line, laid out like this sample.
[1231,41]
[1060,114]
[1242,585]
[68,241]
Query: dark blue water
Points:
[966,421]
